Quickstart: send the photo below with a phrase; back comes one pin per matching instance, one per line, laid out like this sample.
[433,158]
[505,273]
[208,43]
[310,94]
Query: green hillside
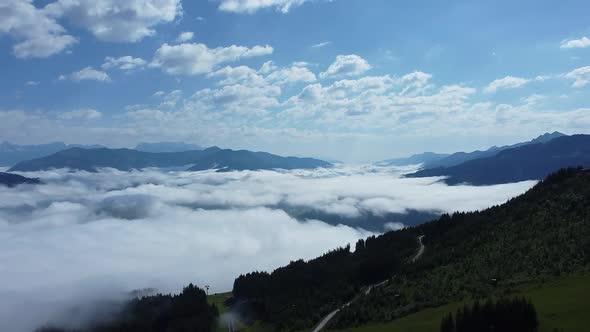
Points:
[539,236]
[561,304]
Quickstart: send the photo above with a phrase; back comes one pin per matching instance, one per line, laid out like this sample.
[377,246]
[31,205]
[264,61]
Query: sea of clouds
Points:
[86,238]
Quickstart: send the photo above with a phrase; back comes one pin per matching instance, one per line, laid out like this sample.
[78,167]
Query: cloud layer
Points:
[112,232]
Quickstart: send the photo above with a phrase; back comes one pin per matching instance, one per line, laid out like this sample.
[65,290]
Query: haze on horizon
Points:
[213,73]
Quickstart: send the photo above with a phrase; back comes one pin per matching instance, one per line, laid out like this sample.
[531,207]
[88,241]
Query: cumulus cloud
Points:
[83,114]
[291,75]
[576,43]
[126,63]
[37,33]
[251,6]
[508,82]
[580,76]
[346,65]
[185,36]
[117,21]
[194,59]
[87,74]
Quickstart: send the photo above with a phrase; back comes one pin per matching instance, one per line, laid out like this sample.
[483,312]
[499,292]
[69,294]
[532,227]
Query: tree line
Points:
[188,311]
[506,315]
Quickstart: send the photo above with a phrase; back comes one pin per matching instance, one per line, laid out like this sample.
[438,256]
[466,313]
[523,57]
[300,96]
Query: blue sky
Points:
[355,80]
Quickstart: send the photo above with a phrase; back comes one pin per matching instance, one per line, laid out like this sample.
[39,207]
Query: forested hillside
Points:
[298,295]
[543,233]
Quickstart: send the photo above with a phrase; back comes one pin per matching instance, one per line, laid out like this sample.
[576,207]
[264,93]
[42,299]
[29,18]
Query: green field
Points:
[563,303]
[219,301]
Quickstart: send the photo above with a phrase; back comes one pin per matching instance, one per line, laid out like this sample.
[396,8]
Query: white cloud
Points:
[37,33]
[194,59]
[576,43]
[185,36]
[346,65]
[581,76]
[117,21]
[125,63]
[239,75]
[237,98]
[508,82]
[87,74]
[322,44]
[414,82]
[82,114]
[32,83]
[268,74]
[251,6]
[289,75]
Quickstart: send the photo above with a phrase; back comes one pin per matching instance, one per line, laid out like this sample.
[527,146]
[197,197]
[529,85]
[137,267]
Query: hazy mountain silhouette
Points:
[11,154]
[461,157]
[230,160]
[127,159]
[526,162]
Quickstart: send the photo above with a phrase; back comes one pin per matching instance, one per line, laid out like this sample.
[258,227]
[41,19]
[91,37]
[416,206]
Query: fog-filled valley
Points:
[91,238]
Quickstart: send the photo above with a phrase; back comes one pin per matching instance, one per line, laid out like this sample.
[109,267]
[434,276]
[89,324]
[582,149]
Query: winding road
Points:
[331,315]
[420,249]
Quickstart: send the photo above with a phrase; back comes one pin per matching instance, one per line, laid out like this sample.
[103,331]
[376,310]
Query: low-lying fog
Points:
[91,237]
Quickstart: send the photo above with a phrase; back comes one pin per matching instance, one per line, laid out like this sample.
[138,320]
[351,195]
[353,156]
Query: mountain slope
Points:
[461,157]
[542,233]
[12,180]
[125,159]
[527,162]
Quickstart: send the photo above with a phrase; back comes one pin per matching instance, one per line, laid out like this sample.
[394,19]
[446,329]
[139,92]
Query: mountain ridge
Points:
[525,162]
[127,159]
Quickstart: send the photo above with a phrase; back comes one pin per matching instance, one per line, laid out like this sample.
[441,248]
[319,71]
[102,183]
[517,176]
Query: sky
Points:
[353,80]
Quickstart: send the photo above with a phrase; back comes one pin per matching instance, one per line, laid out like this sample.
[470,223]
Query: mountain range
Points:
[531,161]
[126,159]
[434,160]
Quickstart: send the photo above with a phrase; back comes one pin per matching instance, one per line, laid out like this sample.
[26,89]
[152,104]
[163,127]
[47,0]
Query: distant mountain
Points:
[422,158]
[12,180]
[127,159]
[167,147]
[525,162]
[461,157]
[121,159]
[230,160]
[11,154]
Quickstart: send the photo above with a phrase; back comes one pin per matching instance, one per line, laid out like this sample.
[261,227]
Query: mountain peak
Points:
[546,137]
